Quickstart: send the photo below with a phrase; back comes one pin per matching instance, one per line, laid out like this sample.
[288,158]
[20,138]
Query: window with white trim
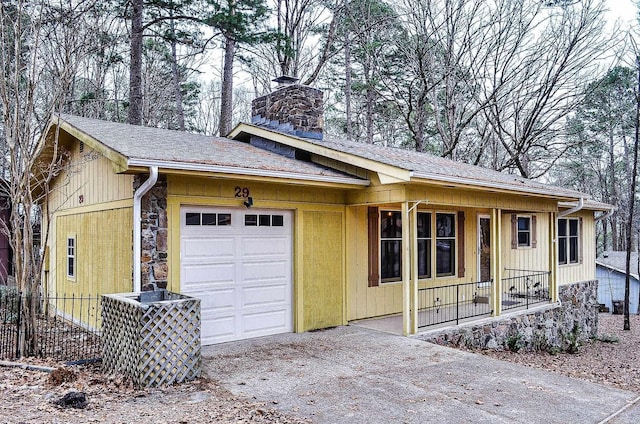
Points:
[568,241]
[71,257]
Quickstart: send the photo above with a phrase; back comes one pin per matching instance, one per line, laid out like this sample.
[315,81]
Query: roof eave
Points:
[493,187]
[171,167]
[387,172]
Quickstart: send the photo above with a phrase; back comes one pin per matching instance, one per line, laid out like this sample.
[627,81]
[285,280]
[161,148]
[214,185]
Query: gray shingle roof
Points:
[617,261]
[156,144]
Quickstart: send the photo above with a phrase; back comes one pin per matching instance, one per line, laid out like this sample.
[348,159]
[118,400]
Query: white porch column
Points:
[496,260]
[406,271]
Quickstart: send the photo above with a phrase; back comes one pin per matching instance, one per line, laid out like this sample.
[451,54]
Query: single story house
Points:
[279,228]
[611,270]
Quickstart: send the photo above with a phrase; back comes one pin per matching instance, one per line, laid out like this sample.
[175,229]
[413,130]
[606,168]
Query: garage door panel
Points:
[241,272]
[200,248]
[264,271]
[198,275]
[265,295]
[265,246]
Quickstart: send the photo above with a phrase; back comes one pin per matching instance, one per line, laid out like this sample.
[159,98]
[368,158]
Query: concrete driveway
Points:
[355,375]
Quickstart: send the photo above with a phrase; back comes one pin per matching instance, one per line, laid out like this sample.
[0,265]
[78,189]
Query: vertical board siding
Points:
[323,273]
[526,258]
[88,179]
[103,255]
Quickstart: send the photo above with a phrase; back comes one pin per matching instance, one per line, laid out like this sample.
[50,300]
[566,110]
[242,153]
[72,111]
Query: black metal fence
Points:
[67,327]
[438,305]
[524,289]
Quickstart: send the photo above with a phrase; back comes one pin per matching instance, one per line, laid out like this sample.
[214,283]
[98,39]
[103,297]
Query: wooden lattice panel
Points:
[154,344]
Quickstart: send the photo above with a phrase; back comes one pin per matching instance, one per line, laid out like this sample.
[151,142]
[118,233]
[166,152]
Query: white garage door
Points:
[238,262]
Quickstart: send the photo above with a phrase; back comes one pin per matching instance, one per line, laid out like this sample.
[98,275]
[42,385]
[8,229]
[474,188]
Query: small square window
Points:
[224,219]
[277,220]
[251,220]
[192,218]
[208,219]
[265,220]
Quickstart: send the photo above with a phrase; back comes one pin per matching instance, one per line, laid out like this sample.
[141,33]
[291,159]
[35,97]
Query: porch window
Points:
[445,244]
[524,231]
[568,241]
[424,245]
[71,257]
[390,245]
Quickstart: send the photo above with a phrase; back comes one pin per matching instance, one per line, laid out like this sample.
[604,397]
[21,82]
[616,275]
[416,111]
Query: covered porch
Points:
[462,263]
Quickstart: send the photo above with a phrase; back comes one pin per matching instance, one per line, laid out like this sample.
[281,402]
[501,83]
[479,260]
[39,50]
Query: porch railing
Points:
[525,288]
[438,305]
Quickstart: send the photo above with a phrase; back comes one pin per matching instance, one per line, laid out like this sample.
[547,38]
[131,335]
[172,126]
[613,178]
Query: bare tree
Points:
[23,28]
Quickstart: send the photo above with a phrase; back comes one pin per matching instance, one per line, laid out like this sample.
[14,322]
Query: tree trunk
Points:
[176,77]
[347,89]
[632,196]
[134,116]
[226,101]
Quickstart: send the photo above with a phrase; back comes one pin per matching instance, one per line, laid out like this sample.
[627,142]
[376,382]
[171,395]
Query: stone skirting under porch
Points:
[552,327]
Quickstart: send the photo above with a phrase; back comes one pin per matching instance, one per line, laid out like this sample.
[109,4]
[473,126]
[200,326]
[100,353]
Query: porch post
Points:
[413,220]
[496,260]
[553,257]
[406,272]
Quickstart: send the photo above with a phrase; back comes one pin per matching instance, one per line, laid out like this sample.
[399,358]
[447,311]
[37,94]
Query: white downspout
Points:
[137,224]
[607,215]
[572,210]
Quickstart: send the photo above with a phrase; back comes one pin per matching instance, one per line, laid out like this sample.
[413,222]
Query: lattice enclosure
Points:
[153,343]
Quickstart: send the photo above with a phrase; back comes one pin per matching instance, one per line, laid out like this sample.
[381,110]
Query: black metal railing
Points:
[438,305]
[524,289]
[66,327]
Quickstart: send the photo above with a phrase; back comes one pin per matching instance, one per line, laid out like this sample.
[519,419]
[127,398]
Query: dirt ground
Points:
[29,396]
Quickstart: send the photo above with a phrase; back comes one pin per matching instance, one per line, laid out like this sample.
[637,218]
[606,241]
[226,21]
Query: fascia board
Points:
[398,174]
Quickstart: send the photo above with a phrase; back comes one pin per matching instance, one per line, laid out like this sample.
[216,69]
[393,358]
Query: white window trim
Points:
[71,256]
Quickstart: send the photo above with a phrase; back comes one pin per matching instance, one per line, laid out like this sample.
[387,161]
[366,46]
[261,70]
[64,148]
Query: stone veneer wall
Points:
[154,268]
[295,109]
[551,328]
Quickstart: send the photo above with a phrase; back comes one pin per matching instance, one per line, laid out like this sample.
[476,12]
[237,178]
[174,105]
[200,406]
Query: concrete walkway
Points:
[356,375]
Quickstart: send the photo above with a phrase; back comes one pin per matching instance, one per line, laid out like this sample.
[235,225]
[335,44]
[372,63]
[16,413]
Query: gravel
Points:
[30,396]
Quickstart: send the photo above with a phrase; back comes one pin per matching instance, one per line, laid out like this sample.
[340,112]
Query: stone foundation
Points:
[552,328]
[154,267]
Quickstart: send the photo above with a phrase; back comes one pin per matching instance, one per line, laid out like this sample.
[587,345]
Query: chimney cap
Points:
[285,80]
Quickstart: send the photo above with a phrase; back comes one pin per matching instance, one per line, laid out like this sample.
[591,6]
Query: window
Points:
[445,244]
[568,241]
[71,257]
[251,220]
[198,219]
[424,245]
[390,245]
[524,231]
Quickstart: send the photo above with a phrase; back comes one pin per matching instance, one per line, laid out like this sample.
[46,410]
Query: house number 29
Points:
[242,191]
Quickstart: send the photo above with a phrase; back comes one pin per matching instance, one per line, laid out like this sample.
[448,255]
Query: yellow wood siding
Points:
[585,271]
[323,276]
[88,179]
[102,255]
[526,258]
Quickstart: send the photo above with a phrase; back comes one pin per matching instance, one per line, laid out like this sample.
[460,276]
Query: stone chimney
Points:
[291,108]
